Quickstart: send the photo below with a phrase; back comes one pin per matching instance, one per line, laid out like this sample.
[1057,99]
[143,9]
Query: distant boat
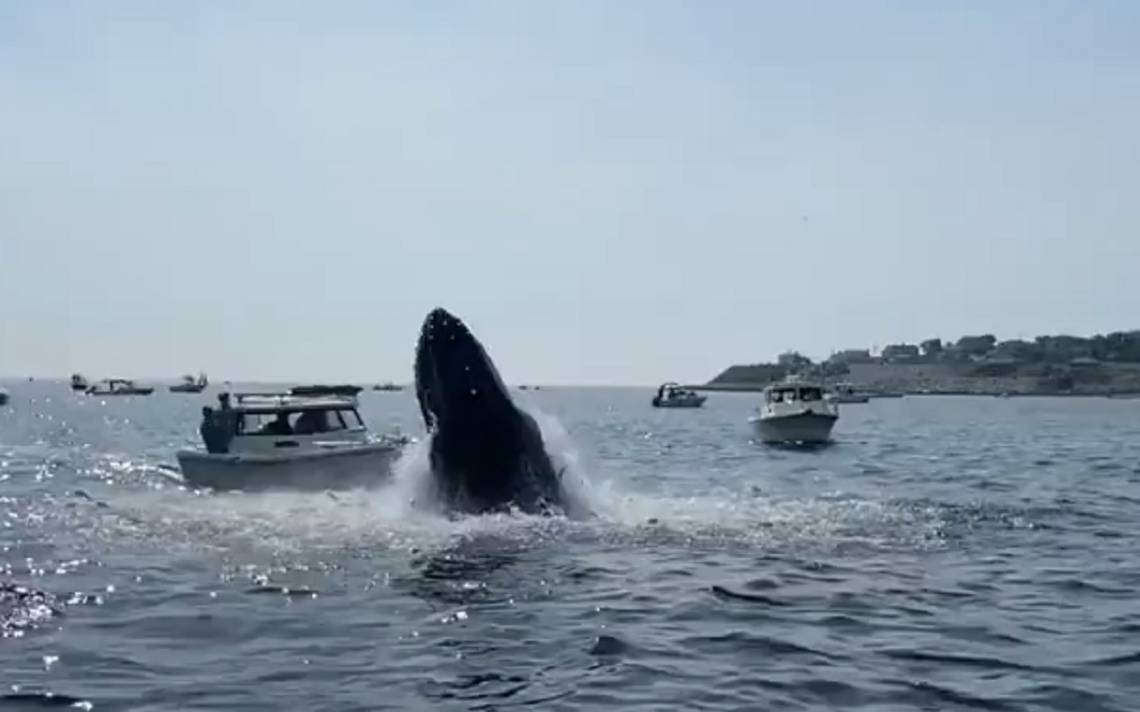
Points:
[387,386]
[118,387]
[846,393]
[672,395]
[189,385]
[78,382]
[3,397]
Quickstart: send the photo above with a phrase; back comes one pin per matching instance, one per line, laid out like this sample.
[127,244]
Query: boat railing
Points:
[285,400]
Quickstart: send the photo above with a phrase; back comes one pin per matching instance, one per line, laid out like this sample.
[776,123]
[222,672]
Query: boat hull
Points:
[353,467]
[187,389]
[131,392]
[811,428]
[696,402]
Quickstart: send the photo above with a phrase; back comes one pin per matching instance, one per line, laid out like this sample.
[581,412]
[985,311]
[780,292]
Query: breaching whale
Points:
[486,453]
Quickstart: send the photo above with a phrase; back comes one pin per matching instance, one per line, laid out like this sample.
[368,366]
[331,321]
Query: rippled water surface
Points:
[943,554]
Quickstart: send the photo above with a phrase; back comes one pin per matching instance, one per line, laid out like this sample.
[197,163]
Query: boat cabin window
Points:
[302,422]
[791,395]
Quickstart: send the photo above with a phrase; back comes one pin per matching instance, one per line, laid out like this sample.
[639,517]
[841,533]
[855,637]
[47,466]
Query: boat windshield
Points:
[299,422]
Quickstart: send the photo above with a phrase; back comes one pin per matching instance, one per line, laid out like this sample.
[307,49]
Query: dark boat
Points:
[78,382]
[189,385]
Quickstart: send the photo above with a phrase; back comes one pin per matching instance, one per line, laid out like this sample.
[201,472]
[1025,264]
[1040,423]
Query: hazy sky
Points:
[608,192]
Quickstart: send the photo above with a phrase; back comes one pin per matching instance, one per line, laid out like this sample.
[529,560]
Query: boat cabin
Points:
[257,422]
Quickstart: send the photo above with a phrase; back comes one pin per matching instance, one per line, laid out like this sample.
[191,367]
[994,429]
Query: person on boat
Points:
[213,433]
[312,421]
[278,426]
[225,417]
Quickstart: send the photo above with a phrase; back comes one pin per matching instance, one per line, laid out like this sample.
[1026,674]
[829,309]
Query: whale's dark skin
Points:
[487,455]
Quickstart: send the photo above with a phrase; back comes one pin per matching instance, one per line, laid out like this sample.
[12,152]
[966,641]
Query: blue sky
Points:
[607,192]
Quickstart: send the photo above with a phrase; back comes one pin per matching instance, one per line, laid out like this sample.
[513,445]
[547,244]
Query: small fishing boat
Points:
[846,393]
[795,412]
[189,385]
[387,386]
[118,387]
[78,382]
[672,395]
[307,441]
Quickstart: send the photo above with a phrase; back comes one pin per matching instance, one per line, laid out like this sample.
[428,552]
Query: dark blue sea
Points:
[946,553]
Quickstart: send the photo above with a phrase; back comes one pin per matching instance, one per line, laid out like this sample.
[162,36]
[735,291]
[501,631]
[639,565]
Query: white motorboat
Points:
[118,387]
[846,393]
[672,395]
[795,412]
[312,440]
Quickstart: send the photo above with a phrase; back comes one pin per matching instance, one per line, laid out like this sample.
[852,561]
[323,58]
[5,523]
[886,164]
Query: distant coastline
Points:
[974,365]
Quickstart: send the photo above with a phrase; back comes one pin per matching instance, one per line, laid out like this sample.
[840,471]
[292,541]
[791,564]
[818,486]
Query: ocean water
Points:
[944,554]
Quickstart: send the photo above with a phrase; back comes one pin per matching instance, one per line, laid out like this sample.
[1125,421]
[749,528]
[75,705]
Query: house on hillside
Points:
[900,353]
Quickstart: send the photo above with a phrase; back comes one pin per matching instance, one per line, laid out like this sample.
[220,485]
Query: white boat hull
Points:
[352,467]
[810,428]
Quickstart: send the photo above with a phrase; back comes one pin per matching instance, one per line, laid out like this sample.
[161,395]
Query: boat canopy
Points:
[321,390]
[283,402]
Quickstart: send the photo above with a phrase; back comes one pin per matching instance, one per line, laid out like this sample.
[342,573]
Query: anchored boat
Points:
[846,393]
[672,395]
[78,382]
[314,439]
[795,412]
[189,385]
[118,387]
